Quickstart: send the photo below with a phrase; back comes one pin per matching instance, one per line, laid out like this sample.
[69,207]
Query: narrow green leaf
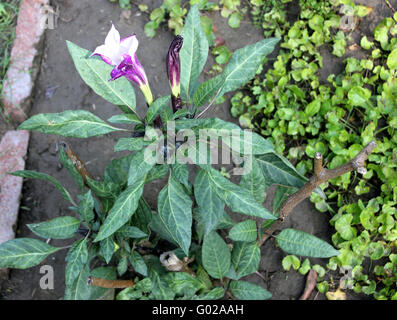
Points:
[76,259]
[130,118]
[245,62]
[207,90]
[237,198]
[86,207]
[278,170]
[194,52]
[80,290]
[244,231]
[159,171]
[58,228]
[214,294]
[141,163]
[130,144]
[254,180]
[156,107]
[244,290]
[216,255]
[122,266]
[107,248]
[138,263]
[23,253]
[210,205]
[175,212]
[245,258]
[70,123]
[131,232]
[28,174]
[240,141]
[122,210]
[304,244]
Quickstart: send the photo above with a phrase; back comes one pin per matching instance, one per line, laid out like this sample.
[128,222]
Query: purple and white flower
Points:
[121,53]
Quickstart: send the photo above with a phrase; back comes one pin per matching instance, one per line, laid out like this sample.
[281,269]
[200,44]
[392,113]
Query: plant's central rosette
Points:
[121,53]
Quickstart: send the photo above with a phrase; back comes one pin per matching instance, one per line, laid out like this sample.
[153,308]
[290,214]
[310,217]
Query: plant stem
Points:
[109,284]
[320,176]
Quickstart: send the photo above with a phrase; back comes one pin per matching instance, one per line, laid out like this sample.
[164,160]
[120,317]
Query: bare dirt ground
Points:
[59,88]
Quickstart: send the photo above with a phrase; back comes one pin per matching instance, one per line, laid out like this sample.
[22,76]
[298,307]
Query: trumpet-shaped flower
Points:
[121,53]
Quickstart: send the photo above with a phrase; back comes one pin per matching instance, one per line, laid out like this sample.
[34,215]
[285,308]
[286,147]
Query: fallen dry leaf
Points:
[337,295]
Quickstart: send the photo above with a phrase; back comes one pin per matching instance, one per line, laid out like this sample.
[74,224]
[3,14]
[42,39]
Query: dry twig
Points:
[311,282]
[320,176]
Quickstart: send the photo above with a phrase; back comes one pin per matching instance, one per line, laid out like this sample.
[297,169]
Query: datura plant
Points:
[189,246]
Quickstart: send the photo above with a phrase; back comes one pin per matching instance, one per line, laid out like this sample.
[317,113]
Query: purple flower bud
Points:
[173,64]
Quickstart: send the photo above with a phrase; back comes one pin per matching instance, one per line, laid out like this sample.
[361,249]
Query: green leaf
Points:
[254,180]
[122,210]
[107,247]
[183,283]
[392,60]
[122,266]
[159,171]
[117,171]
[125,119]
[240,141]
[86,207]
[194,52]
[207,90]
[181,173]
[76,259]
[103,189]
[96,74]
[304,244]
[131,232]
[278,170]
[141,163]
[359,96]
[235,19]
[244,231]
[244,290]
[215,256]
[70,123]
[211,207]
[58,228]
[237,198]
[175,212]
[156,107]
[244,64]
[245,258]
[130,144]
[313,108]
[138,263]
[80,290]
[23,253]
[214,294]
[28,174]
[291,261]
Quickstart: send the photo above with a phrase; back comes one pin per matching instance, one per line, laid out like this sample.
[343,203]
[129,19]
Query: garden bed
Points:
[60,88]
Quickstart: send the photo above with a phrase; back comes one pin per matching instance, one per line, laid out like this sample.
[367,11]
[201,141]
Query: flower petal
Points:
[129,45]
[104,53]
[113,38]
